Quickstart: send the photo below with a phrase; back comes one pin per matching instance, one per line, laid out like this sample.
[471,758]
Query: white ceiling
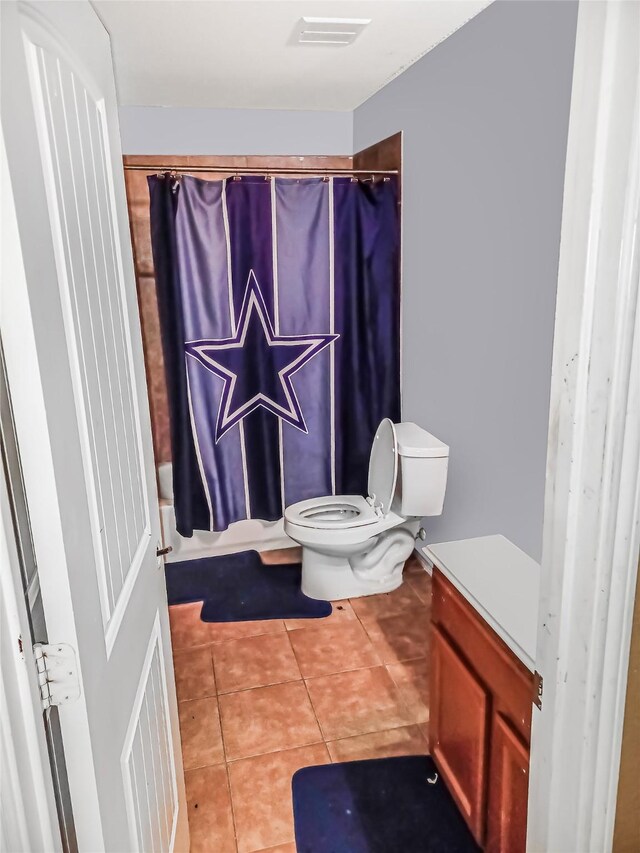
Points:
[241,53]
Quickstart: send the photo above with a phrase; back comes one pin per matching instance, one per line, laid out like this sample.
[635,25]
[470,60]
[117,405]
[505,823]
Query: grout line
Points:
[315,715]
[378,665]
[377,731]
[215,679]
[215,673]
[275,751]
[259,686]
[373,731]
[230,639]
[233,814]
[226,767]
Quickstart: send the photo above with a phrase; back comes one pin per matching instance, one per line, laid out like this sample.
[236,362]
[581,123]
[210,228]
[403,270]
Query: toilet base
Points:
[332,579]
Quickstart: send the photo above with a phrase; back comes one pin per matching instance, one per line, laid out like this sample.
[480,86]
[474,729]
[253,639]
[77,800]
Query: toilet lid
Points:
[383,466]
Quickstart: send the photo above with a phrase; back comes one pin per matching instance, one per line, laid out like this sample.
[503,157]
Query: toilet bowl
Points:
[354,545]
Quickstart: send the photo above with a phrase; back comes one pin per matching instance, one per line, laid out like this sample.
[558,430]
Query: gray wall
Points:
[175,130]
[485,118]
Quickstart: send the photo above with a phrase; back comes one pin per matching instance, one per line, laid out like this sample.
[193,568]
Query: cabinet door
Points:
[459,723]
[507,819]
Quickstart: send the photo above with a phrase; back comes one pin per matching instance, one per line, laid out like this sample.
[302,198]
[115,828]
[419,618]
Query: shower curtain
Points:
[279,304]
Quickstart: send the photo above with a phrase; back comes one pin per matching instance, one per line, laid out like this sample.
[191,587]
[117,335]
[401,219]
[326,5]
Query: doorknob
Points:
[162,552]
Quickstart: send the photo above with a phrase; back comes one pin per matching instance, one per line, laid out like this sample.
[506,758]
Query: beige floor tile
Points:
[358,702]
[200,733]
[281,555]
[254,662]
[331,648]
[342,612]
[421,585]
[221,632]
[412,680]
[387,604]
[187,629]
[397,638]
[261,794]
[403,741]
[413,566]
[194,673]
[263,719]
[209,808]
[267,719]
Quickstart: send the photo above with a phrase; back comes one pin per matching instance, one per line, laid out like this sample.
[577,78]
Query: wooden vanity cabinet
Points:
[480,726]
[508,788]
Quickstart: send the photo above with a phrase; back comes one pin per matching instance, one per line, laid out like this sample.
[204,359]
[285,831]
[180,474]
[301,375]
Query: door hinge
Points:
[57,673]
[538,689]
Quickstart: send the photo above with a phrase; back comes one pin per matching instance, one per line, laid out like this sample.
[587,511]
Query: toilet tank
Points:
[422,471]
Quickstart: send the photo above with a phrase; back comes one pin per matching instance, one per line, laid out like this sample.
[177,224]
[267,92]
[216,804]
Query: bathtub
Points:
[251,534]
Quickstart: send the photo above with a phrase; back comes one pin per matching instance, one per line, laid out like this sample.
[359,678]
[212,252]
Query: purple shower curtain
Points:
[279,306]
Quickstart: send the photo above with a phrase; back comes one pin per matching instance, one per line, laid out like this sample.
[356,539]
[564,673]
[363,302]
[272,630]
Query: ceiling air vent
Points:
[332,31]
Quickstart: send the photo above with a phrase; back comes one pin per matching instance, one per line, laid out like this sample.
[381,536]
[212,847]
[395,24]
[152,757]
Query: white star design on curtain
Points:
[256,365]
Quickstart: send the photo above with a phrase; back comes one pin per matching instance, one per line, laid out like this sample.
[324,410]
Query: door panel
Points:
[73,142]
[77,382]
[458,730]
[147,758]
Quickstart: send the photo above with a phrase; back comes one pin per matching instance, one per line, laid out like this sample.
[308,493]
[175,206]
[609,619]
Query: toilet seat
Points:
[332,512]
[343,512]
[383,467]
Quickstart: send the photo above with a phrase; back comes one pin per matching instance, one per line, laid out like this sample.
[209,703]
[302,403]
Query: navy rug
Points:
[385,805]
[240,588]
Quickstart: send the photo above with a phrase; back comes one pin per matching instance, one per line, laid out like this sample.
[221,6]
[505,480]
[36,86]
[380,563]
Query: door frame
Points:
[29,812]
[592,497]
[32,809]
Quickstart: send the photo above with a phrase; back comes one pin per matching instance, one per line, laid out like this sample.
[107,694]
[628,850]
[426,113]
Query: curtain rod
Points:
[247,170]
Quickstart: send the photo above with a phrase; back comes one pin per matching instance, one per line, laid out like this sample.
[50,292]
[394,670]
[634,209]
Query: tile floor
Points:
[258,700]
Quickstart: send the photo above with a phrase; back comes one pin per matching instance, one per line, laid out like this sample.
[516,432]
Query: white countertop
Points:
[500,581]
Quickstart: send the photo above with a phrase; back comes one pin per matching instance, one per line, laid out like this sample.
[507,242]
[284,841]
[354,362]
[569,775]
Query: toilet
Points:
[353,545]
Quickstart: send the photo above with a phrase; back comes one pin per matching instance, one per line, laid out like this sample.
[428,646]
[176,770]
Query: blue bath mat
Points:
[240,588]
[385,805]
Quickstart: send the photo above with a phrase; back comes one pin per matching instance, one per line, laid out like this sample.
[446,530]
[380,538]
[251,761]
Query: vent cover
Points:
[330,31]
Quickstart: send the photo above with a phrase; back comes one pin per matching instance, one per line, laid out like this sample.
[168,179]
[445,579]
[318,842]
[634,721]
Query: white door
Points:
[71,337]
